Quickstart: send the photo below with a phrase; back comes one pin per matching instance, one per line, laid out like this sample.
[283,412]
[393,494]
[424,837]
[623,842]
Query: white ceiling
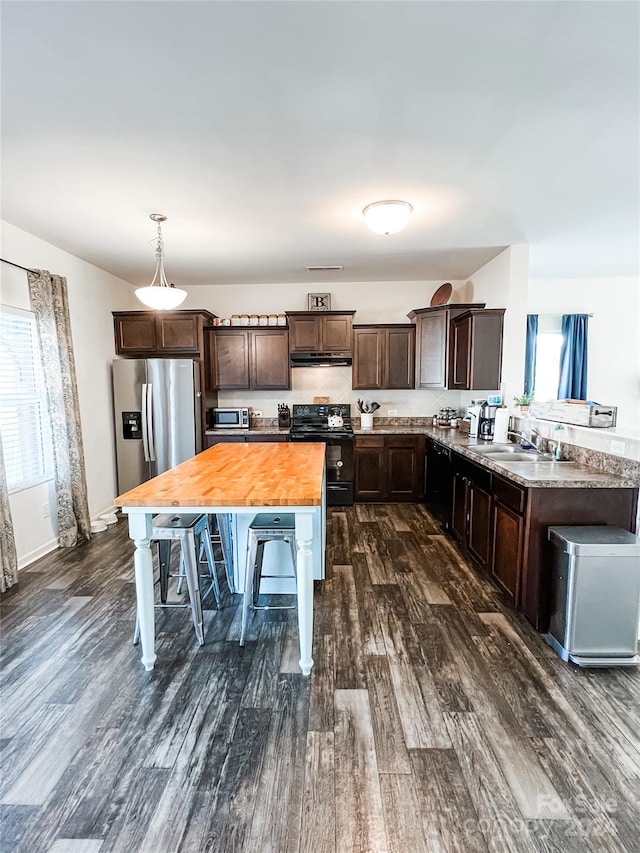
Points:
[261,130]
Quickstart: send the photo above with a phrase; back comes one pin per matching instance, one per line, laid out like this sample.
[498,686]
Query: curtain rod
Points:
[19,266]
[560,314]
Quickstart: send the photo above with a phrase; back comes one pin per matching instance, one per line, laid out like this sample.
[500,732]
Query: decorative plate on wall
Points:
[442,294]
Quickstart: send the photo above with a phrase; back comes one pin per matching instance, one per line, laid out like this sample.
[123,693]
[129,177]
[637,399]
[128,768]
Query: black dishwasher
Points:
[438,481]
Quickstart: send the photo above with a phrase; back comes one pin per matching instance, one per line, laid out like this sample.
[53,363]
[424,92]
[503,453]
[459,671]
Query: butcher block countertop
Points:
[272,474]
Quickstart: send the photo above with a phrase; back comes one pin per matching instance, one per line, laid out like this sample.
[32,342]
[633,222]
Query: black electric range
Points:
[312,423]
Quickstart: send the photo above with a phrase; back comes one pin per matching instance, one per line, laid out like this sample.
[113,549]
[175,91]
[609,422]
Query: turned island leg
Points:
[140,532]
[304,542]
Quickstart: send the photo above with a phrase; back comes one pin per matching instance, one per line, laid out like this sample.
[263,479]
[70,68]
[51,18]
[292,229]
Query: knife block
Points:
[284,420]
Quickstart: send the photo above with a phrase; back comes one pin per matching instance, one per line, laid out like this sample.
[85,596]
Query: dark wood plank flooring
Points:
[434,719]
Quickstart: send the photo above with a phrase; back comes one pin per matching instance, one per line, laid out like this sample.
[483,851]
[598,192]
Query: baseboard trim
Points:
[27,559]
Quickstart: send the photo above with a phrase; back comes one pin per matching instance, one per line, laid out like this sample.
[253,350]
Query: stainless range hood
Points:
[320,359]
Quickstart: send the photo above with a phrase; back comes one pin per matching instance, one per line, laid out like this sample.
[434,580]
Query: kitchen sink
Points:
[500,448]
[513,453]
[521,456]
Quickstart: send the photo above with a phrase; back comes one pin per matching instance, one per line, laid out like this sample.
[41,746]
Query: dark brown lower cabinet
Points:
[210,440]
[389,467]
[471,516]
[370,460]
[506,557]
[504,528]
[479,529]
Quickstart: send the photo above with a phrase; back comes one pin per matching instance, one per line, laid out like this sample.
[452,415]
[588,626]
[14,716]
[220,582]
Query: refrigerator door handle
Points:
[152,448]
[145,431]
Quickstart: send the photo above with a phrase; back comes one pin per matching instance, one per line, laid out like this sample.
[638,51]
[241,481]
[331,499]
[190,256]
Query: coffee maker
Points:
[486,421]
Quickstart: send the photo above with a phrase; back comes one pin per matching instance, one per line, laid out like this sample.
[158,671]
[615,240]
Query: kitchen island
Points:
[235,478]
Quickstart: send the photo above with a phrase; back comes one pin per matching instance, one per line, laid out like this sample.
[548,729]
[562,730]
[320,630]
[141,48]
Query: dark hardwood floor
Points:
[434,718]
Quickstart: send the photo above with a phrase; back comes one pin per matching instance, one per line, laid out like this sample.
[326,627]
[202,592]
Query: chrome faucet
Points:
[537,442]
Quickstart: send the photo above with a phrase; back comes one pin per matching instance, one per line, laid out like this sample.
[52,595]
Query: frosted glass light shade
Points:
[161,298]
[387,217]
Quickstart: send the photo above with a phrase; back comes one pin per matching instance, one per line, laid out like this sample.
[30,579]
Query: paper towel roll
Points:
[501,426]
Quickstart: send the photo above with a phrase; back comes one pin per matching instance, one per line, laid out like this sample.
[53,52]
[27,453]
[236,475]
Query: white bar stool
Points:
[185,529]
[265,527]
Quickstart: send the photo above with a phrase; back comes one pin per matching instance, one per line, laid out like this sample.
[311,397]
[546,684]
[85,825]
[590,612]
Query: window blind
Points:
[24,422]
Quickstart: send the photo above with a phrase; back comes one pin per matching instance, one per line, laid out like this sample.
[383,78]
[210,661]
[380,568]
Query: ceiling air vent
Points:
[332,268]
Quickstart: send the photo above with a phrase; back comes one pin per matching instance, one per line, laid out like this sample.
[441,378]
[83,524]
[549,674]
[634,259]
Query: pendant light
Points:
[387,217]
[160,294]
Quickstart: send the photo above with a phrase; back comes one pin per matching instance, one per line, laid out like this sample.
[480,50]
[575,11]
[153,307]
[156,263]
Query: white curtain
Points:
[9,573]
[49,302]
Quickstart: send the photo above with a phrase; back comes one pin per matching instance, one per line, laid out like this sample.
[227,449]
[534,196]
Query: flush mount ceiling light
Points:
[387,217]
[160,294]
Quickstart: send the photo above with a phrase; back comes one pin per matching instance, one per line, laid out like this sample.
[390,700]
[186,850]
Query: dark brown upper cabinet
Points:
[248,359]
[166,334]
[475,350]
[320,331]
[432,342]
[384,356]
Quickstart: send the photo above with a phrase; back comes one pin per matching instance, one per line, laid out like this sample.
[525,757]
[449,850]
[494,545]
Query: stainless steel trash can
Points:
[595,595]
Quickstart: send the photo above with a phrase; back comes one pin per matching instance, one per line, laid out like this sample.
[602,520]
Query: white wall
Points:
[93,295]
[503,283]
[614,335]
[374,302]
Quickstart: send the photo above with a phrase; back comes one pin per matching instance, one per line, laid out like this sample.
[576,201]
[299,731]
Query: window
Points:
[24,422]
[548,345]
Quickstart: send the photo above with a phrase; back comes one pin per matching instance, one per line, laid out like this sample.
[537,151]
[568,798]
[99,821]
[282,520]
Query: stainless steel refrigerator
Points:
[157,410]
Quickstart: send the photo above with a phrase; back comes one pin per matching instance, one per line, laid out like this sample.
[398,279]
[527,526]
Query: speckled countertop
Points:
[568,475]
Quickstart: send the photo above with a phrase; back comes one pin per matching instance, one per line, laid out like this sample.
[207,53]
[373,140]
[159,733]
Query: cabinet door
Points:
[368,358]
[479,523]
[460,353]
[506,557]
[271,438]
[432,332]
[400,358]
[336,333]
[269,360]
[178,334]
[370,468]
[304,334]
[135,333]
[402,473]
[486,350]
[459,512]
[231,359]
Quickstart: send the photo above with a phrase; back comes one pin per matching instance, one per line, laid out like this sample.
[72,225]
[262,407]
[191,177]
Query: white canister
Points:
[366,420]
[501,426]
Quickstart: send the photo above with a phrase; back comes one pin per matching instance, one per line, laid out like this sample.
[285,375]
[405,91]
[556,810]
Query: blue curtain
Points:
[530,353]
[573,357]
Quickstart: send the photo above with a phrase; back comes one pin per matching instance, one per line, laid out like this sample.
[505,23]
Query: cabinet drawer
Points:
[509,494]
[370,441]
[404,441]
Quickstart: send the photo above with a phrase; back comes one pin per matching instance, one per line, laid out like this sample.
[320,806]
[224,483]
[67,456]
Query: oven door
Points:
[339,461]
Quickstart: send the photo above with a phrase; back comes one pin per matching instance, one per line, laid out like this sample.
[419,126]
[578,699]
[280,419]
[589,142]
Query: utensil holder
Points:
[366,420]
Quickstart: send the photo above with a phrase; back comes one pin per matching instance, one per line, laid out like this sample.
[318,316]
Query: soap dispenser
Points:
[557,452]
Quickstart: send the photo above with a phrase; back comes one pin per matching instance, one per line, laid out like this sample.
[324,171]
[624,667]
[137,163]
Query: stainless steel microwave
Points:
[229,418]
